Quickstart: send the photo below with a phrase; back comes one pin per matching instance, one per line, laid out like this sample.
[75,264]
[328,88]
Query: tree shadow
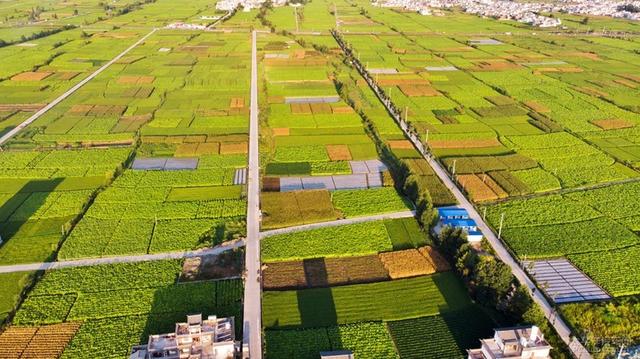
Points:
[468,326]
[16,217]
[316,306]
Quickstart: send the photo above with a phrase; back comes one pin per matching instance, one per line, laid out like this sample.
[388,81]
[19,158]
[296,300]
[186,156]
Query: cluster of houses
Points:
[457,217]
[247,5]
[214,338]
[524,11]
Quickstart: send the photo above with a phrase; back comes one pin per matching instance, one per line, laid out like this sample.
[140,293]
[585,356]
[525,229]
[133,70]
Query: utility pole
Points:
[426,137]
[500,229]
[484,213]
[295,13]
[453,172]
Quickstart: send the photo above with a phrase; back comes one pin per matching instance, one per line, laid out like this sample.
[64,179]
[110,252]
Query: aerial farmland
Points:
[319,179]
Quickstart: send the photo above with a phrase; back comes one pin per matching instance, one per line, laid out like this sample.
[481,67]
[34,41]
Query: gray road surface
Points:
[340,222]
[121,259]
[252,290]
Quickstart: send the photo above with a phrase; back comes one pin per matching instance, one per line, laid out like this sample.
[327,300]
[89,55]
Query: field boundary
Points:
[71,91]
[339,222]
[86,262]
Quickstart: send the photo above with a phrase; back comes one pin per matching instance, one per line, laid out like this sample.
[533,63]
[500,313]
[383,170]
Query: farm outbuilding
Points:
[457,218]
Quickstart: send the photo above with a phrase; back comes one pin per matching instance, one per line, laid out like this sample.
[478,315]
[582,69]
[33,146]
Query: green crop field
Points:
[149,156]
[120,304]
[422,296]
[367,339]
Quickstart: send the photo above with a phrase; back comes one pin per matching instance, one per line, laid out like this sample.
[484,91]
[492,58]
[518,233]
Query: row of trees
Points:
[492,285]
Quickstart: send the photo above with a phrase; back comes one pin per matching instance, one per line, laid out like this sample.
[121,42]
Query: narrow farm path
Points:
[577,349]
[69,92]
[252,326]
[122,259]
[340,222]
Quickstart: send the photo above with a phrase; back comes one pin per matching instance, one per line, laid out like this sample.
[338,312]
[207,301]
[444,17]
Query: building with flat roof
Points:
[213,338]
[525,342]
[457,217]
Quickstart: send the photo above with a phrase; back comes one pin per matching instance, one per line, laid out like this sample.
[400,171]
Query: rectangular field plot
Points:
[165,164]
[421,296]
[121,304]
[563,282]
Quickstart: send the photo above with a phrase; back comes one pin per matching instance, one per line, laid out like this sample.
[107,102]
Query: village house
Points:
[213,338]
[525,342]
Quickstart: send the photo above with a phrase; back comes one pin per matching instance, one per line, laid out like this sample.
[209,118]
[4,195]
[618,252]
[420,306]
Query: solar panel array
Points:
[563,282]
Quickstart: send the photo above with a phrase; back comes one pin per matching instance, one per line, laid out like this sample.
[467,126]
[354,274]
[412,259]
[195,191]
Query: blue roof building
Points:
[452,213]
[458,218]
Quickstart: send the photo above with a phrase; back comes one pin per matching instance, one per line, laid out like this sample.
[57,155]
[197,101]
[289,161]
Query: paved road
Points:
[252,290]
[561,327]
[340,222]
[69,92]
[121,259]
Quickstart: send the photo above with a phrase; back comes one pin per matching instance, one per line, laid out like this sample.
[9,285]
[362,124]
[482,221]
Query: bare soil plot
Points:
[436,259]
[481,189]
[137,92]
[271,184]
[322,272]
[613,123]
[284,275]
[537,107]
[31,76]
[400,144]
[320,108]
[418,90]
[236,102]
[135,80]
[43,342]
[495,65]
[342,109]
[234,148]
[21,107]
[282,131]
[406,263]
[592,91]
[626,83]
[225,265]
[66,75]
[301,108]
[338,152]
[275,99]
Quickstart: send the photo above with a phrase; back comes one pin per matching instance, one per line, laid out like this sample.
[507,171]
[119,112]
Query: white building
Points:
[517,342]
[213,338]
